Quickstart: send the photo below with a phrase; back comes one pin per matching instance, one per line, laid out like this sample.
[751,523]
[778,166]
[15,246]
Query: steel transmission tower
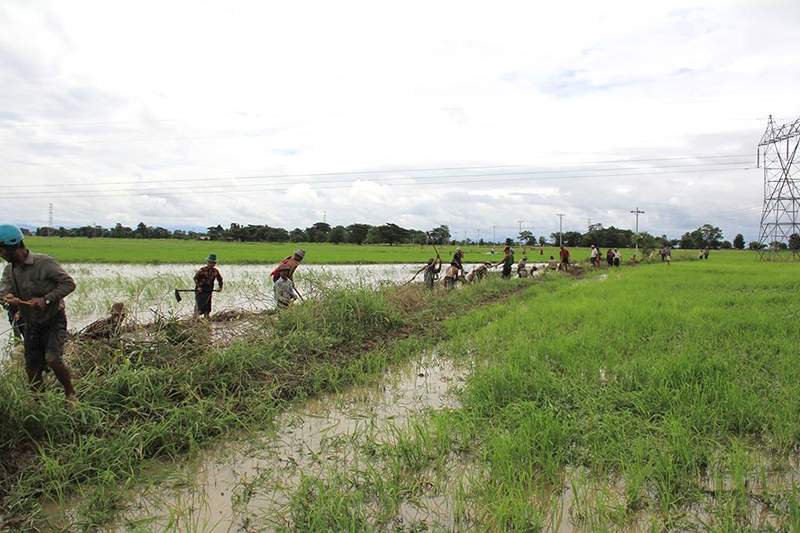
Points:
[780,217]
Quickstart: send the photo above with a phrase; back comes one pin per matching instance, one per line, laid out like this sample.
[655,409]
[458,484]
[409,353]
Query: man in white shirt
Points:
[285,295]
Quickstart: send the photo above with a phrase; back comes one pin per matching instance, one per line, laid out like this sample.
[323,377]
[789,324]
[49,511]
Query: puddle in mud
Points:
[236,481]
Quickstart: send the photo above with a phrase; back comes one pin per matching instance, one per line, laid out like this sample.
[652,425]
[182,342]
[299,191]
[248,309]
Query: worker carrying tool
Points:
[37,285]
[204,285]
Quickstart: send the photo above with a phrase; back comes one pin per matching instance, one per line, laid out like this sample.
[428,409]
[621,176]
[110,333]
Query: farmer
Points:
[564,255]
[293,261]
[204,285]
[552,263]
[595,256]
[522,271]
[37,285]
[610,257]
[455,270]
[668,256]
[507,262]
[284,292]
[478,272]
[617,257]
[106,328]
[431,270]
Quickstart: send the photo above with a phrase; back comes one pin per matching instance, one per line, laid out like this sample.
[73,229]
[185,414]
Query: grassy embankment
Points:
[82,250]
[659,398]
[166,397]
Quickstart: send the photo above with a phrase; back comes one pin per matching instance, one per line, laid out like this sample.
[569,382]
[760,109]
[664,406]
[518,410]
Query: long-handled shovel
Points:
[298,293]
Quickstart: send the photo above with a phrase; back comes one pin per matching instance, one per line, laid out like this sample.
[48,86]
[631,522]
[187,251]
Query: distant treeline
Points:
[706,236]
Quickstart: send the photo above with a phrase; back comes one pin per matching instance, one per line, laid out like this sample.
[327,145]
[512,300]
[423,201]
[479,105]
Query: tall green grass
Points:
[658,398]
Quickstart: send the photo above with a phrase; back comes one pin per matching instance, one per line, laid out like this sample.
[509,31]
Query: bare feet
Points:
[72,401]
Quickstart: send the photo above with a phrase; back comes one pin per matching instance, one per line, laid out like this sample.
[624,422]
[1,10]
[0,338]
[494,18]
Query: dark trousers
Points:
[203,300]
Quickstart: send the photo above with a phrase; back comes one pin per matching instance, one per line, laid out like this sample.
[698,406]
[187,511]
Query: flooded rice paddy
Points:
[148,291]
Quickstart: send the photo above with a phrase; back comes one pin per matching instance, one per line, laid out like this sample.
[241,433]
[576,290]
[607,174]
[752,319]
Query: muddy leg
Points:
[64,376]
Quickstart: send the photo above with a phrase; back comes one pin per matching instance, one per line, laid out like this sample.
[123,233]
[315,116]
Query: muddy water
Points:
[237,483]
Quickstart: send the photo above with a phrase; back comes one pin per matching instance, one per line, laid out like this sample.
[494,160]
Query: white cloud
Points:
[99,92]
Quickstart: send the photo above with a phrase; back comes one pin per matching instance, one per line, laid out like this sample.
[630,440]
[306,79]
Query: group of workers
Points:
[33,288]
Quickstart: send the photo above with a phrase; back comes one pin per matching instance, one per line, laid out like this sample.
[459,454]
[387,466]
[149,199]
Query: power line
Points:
[430,169]
[181,190]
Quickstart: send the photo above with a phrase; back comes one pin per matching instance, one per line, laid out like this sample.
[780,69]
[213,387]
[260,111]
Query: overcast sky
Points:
[470,114]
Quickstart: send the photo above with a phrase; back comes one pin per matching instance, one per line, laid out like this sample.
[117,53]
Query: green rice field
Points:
[153,251]
[640,398]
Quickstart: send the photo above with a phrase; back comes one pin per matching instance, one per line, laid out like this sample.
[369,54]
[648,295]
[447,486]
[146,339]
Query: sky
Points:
[487,117]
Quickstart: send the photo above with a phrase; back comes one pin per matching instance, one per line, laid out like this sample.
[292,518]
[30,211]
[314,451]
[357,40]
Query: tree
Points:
[337,235]
[706,236]
[542,241]
[298,235]
[527,237]
[738,241]
[686,241]
[318,232]
[357,233]
[216,233]
[121,232]
[726,245]
[794,241]
[142,231]
[418,236]
[440,235]
[572,238]
[755,245]
[388,233]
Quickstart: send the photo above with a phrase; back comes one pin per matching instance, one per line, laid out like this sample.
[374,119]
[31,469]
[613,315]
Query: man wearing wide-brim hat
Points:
[204,285]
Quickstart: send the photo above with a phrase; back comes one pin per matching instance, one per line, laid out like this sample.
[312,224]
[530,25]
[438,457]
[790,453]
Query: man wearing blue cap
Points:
[204,285]
[37,285]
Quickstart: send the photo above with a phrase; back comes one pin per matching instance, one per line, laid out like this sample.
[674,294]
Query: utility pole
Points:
[560,228]
[494,234]
[465,238]
[50,218]
[589,226]
[520,231]
[636,235]
[479,237]
[325,217]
